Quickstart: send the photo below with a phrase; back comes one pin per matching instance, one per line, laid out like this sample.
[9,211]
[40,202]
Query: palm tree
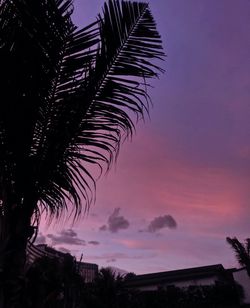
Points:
[68,96]
[108,286]
[242,251]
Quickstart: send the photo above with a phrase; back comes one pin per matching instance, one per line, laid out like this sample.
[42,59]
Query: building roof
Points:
[234,270]
[41,250]
[176,275]
[86,265]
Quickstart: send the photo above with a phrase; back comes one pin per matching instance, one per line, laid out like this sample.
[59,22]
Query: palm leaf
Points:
[247,245]
[241,253]
[70,96]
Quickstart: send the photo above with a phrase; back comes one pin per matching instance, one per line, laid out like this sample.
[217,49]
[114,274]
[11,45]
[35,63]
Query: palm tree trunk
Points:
[15,231]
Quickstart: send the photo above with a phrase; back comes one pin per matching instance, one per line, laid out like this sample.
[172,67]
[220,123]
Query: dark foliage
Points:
[67,93]
[193,296]
[109,290]
[242,251]
[67,99]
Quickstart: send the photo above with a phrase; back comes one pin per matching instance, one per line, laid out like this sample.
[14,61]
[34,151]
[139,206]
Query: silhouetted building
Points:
[196,276]
[42,250]
[87,270]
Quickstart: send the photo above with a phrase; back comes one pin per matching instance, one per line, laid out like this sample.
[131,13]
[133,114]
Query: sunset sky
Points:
[182,185]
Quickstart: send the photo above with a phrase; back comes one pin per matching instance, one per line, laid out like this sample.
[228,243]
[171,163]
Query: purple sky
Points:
[182,185]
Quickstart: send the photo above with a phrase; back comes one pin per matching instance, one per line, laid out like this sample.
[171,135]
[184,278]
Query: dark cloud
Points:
[103,228]
[160,222]
[66,237]
[41,239]
[94,242]
[116,222]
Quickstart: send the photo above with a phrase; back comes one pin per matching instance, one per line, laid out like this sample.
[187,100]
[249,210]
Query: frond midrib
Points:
[116,56]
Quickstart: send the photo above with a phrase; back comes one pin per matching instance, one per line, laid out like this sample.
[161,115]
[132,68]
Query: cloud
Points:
[115,222]
[103,228]
[160,222]
[41,239]
[94,242]
[66,237]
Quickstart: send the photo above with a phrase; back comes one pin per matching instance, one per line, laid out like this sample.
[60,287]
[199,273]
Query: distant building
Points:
[42,250]
[87,270]
[196,276]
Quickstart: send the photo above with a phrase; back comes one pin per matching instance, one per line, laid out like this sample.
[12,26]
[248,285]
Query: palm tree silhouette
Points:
[68,96]
[108,286]
[242,251]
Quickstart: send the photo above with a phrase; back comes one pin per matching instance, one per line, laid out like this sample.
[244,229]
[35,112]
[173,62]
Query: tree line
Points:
[52,283]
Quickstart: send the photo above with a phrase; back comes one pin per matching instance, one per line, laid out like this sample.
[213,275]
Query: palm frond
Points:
[32,39]
[247,245]
[70,93]
[241,252]
[98,98]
